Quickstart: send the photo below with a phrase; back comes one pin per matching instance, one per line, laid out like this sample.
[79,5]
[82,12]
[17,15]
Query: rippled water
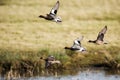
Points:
[82,75]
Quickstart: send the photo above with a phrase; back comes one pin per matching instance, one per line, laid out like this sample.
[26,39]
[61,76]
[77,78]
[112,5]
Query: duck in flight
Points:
[77,45]
[53,14]
[100,37]
[50,60]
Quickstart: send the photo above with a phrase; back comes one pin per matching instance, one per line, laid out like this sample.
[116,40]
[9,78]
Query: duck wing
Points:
[81,38]
[101,34]
[55,8]
[51,58]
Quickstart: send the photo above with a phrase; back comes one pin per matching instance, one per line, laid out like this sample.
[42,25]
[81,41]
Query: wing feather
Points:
[101,33]
[55,8]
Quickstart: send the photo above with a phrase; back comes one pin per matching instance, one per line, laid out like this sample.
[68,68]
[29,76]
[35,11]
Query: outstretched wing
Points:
[81,38]
[55,8]
[77,42]
[101,34]
[103,31]
[51,58]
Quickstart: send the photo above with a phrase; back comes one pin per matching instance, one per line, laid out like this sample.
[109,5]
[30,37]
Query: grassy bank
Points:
[24,37]
[29,62]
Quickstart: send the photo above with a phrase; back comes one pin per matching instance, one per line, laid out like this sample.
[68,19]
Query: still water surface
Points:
[82,75]
[89,74]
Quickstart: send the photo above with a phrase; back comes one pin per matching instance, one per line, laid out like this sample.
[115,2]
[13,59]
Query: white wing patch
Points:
[76,42]
[52,11]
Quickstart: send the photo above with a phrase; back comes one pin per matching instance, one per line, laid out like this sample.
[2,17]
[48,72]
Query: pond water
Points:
[81,75]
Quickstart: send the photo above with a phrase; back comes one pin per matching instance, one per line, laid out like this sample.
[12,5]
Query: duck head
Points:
[58,19]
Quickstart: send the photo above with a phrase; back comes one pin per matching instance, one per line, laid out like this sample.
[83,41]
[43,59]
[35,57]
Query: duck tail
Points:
[41,16]
[67,48]
[90,41]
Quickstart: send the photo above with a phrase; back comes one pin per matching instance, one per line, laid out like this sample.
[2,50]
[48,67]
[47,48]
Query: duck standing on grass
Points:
[49,61]
[100,37]
[52,15]
[77,45]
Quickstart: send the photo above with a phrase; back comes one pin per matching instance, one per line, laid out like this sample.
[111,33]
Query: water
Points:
[81,75]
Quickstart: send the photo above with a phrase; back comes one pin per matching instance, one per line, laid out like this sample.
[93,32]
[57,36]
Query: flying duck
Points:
[77,45]
[100,37]
[52,15]
[50,60]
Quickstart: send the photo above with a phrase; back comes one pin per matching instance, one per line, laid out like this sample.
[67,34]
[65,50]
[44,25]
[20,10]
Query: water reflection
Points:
[84,74]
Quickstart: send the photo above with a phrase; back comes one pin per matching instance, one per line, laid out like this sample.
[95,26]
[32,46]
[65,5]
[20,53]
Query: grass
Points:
[24,36]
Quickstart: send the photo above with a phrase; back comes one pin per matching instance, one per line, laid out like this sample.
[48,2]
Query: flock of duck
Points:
[52,16]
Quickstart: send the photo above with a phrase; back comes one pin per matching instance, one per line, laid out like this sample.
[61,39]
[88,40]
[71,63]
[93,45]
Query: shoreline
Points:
[31,62]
